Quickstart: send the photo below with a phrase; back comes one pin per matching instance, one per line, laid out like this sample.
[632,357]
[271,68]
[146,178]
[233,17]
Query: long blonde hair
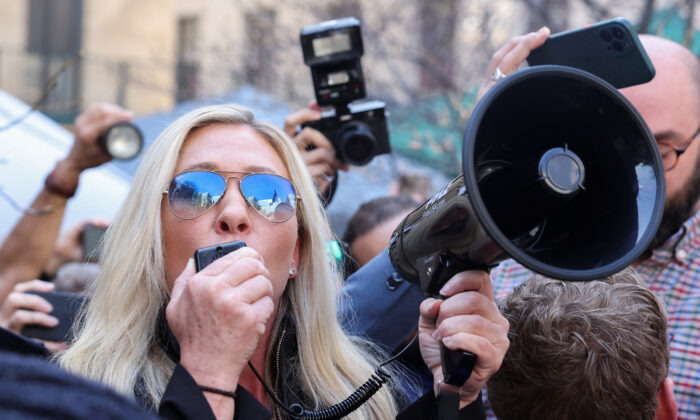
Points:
[117,341]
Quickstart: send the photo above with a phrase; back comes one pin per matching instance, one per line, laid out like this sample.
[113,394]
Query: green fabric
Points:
[430,131]
[669,23]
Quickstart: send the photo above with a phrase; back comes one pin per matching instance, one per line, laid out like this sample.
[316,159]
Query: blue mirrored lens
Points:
[191,193]
[272,196]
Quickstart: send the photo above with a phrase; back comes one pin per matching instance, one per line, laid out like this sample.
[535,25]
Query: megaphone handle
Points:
[457,365]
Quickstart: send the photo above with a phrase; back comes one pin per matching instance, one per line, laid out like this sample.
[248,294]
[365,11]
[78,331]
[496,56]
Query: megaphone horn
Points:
[560,172]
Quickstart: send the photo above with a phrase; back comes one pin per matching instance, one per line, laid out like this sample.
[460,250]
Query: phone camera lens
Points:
[617,33]
[605,35]
[618,46]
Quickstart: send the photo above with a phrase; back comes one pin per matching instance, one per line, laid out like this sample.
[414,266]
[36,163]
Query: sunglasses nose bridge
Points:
[240,189]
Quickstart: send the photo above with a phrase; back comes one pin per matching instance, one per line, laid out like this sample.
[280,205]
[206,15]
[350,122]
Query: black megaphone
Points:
[560,172]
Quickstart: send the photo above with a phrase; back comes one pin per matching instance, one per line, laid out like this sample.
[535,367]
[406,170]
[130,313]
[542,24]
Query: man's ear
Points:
[667,408]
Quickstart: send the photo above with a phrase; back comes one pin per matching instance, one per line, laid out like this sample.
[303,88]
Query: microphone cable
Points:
[345,407]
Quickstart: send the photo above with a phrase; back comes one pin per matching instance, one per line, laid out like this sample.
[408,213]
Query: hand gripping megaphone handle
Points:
[434,271]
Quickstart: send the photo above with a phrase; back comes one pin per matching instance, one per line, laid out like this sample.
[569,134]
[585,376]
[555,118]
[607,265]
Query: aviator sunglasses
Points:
[192,193]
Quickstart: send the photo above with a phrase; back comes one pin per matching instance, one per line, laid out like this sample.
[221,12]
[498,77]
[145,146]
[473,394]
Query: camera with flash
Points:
[357,130]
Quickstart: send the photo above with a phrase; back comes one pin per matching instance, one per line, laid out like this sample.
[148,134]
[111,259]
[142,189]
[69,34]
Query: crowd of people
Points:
[277,329]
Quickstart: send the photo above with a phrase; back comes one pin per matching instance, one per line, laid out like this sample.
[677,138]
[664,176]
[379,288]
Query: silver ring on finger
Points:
[497,75]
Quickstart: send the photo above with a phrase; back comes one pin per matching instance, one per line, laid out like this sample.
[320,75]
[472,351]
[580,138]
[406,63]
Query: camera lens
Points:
[618,46]
[357,144]
[617,33]
[122,141]
[605,36]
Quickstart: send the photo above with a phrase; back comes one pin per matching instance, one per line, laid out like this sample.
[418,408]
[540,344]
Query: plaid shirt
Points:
[673,273]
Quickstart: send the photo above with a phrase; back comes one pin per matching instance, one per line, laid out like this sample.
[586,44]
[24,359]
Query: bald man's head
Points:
[672,60]
[670,105]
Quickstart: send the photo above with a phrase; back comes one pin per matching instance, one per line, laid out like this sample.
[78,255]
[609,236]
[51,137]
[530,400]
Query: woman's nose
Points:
[233,212]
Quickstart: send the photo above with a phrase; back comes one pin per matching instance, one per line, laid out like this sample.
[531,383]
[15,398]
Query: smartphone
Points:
[610,50]
[92,242]
[65,309]
[205,256]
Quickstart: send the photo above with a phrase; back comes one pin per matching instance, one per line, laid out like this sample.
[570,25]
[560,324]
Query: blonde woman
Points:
[180,340]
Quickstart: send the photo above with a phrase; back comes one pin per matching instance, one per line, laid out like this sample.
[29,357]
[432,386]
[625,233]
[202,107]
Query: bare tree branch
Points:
[599,11]
[645,17]
[543,13]
[689,30]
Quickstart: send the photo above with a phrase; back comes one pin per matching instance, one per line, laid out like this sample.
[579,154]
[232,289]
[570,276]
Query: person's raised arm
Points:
[28,247]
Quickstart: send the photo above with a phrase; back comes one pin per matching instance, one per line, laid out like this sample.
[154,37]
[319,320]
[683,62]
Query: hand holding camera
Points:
[357,130]
[316,150]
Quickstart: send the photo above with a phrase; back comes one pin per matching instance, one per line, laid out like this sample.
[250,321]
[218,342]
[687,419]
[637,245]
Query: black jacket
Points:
[184,400]
[32,388]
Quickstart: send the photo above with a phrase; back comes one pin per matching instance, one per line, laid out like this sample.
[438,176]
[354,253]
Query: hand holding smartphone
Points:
[65,308]
[610,50]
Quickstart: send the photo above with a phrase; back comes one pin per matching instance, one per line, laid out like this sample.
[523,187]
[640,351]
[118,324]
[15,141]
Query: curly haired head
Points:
[581,350]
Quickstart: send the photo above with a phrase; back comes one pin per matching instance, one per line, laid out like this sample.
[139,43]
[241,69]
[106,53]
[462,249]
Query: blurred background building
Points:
[425,58]
[148,55]
[125,46]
